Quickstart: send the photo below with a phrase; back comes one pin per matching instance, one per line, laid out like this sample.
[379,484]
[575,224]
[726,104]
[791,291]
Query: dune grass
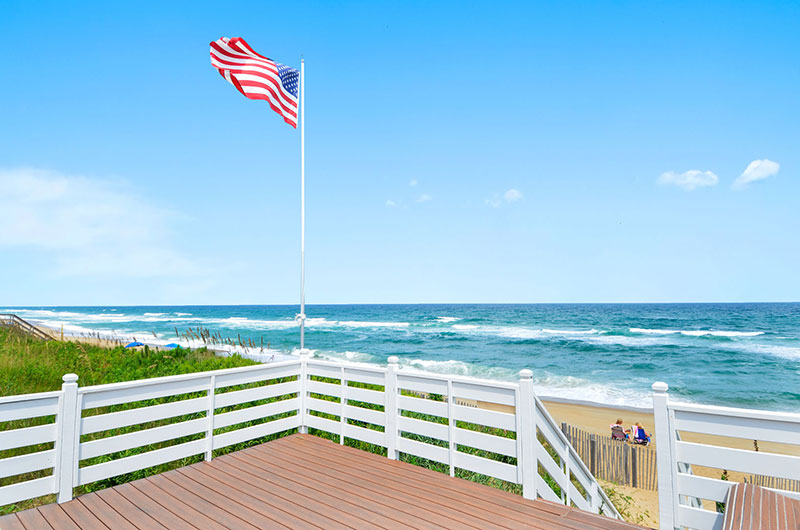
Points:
[28,365]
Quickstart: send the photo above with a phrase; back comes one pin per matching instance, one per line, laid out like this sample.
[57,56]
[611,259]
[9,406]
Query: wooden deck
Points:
[752,507]
[302,481]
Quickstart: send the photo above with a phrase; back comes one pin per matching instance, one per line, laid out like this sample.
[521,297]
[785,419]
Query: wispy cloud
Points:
[512,195]
[90,227]
[424,198]
[390,203]
[413,182]
[756,170]
[690,180]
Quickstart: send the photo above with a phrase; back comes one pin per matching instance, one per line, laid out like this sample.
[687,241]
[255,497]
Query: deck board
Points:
[752,507]
[301,482]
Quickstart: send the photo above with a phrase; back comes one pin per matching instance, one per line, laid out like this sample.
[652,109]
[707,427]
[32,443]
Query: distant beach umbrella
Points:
[172,345]
[134,344]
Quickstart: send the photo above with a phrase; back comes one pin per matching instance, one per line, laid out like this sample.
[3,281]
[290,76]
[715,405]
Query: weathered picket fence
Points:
[774,483]
[613,460]
[688,500]
[87,434]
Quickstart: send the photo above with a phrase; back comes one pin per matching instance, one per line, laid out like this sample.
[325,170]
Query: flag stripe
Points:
[257,77]
[227,58]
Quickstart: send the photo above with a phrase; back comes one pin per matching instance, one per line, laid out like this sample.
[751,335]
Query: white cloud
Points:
[424,198]
[512,195]
[690,180]
[391,203]
[757,170]
[89,227]
[413,183]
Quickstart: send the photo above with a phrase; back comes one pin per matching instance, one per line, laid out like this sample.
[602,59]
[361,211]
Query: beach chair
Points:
[639,436]
[618,433]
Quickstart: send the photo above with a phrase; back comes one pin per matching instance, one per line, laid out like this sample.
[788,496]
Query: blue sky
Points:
[496,152]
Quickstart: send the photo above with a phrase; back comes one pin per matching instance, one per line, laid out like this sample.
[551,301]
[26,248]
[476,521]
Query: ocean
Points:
[744,355]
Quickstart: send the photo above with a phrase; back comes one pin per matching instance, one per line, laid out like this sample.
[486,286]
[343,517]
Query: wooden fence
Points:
[774,482]
[614,460]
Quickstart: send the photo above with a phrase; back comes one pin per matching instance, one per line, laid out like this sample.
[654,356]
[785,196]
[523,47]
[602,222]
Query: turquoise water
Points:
[727,354]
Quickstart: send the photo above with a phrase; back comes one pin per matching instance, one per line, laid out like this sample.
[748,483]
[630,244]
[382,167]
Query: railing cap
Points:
[659,386]
[70,378]
[525,374]
[394,359]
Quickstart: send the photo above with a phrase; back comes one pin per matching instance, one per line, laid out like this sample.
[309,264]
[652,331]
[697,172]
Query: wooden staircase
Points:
[11,320]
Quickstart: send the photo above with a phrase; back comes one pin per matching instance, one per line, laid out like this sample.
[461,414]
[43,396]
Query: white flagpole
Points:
[302,210]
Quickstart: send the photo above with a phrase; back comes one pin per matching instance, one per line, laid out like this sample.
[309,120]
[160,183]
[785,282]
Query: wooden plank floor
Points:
[302,481]
[751,507]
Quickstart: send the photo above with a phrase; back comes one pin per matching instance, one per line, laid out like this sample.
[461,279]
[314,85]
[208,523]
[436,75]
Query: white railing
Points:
[689,500]
[466,425]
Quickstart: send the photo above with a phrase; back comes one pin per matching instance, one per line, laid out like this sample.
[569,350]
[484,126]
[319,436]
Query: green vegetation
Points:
[626,506]
[28,365]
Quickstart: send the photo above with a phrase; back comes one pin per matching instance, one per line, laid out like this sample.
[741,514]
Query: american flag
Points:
[257,77]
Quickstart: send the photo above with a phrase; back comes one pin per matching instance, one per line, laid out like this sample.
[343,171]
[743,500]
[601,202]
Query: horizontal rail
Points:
[680,491]
[477,426]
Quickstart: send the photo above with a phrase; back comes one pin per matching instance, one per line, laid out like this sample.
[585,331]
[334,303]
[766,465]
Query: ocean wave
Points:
[622,340]
[547,385]
[363,324]
[697,333]
[570,332]
[447,320]
[456,367]
[576,388]
[791,353]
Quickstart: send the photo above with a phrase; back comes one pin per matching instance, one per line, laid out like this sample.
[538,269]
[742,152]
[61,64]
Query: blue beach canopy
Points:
[172,345]
[134,344]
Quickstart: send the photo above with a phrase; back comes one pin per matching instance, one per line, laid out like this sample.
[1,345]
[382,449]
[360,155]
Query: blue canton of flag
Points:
[289,78]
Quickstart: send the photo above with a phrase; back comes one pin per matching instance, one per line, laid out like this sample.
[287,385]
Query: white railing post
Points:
[390,409]
[664,461]
[451,429]
[212,390]
[526,432]
[68,415]
[304,355]
[343,404]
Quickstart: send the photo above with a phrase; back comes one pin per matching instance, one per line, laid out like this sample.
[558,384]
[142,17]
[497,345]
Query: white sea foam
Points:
[620,340]
[447,320]
[362,324]
[548,385]
[576,388]
[154,314]
[518,332]
[776,350]
[456,367]
[570,332]
[697,333]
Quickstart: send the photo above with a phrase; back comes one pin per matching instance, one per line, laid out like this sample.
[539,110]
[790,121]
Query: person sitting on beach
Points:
[639,435]
[618,431]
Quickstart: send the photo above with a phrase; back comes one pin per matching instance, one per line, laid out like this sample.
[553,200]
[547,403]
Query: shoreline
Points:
[587,415]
